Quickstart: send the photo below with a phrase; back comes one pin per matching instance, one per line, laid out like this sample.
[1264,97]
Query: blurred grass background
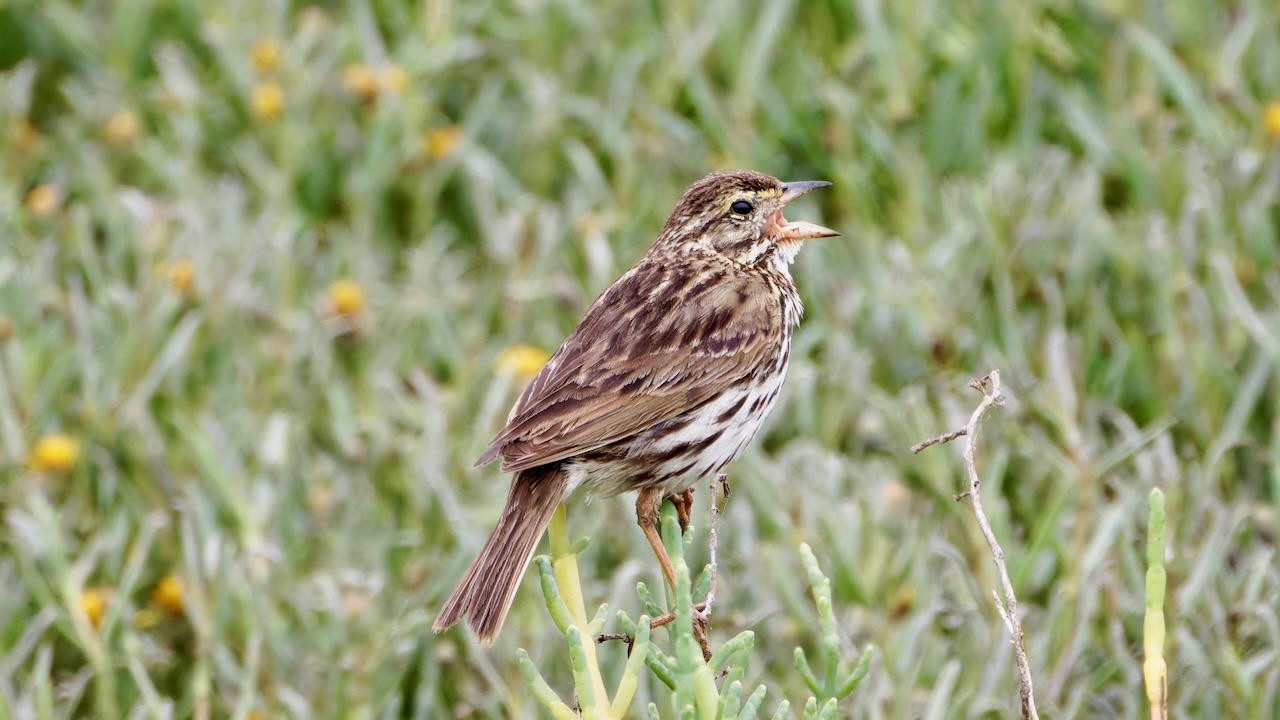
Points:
[267,268]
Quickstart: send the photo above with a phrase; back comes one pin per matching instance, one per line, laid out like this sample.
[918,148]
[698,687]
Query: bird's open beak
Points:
[793,190]
[798,230]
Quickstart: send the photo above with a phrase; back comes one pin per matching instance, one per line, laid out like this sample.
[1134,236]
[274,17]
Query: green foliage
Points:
[833,686]
[1154,669]
[1081,194]
[708,688]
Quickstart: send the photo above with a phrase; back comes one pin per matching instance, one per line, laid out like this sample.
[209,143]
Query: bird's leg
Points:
[684,508]
[648,503]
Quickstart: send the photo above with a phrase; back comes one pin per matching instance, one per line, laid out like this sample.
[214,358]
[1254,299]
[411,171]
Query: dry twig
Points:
[989,386]
[943,438]
[720,481]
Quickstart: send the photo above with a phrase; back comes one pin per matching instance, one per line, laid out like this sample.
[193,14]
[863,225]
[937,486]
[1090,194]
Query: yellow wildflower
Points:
[523,361]
[441,141]
[181,275]
[93,602]
[167,594]
[121,128]
[358,79]
[393,80]
[54,453]
[346,297]
[42,200]
[268,102]
[1271,120]
[264,55]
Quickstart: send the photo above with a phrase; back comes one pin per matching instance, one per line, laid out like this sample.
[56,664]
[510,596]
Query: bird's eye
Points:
[740,207]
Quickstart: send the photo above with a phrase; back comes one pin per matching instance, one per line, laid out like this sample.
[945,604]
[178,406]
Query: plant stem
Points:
[565,564]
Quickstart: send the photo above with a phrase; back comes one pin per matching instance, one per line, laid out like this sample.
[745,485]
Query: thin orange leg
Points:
[648,502]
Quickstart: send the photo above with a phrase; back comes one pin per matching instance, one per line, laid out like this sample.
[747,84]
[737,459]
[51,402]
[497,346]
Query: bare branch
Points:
[939,440]
[720,481]
[621,637]
[989,386]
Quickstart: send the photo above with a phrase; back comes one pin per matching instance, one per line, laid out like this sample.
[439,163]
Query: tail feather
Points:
[483,596]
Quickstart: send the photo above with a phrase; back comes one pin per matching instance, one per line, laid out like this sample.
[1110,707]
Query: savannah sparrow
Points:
[665,380]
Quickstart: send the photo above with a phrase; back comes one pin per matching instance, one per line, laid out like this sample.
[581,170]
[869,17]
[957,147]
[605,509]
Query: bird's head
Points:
[738,214]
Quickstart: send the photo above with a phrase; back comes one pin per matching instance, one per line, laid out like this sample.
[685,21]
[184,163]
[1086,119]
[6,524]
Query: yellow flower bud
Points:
[167,595]
[358,79]
[93,602]
[346,297]
[42,200]
[54,453]
[1271,121]
[268,102]
[121,128]
[181,275]
[523,361]
[441,141]
[264,55]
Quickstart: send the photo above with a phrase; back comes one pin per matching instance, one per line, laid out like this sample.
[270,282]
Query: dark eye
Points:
[740,207]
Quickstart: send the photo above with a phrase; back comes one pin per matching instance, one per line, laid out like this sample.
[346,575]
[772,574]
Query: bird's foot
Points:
[684,508]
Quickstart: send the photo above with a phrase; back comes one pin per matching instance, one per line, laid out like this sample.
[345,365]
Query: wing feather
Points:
[637,359]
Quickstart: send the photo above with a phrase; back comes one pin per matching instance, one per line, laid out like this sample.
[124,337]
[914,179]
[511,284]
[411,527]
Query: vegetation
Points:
[271,275]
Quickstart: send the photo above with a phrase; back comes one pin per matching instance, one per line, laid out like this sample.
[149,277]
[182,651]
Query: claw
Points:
[684,508]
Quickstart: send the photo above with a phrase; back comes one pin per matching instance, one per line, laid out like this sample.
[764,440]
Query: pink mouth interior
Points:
[778,222]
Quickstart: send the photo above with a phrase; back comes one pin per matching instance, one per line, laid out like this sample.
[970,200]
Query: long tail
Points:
[484,595]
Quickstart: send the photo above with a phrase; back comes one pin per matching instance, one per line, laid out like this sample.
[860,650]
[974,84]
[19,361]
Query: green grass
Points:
[1080,194]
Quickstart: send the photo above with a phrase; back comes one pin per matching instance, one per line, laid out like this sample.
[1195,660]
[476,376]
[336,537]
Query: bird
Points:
[665,380]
